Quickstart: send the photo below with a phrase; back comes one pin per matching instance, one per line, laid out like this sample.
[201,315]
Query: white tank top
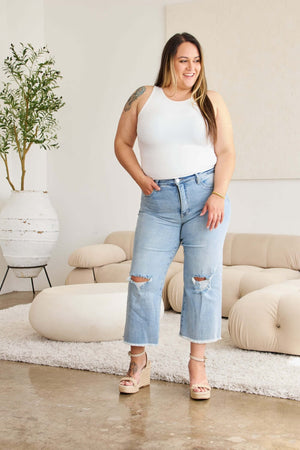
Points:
[172,138]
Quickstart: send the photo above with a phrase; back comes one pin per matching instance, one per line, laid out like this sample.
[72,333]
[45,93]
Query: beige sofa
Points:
[252,262]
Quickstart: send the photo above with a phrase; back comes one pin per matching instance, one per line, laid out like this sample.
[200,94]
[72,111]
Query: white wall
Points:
[265,206]
[105,50]
[251,54]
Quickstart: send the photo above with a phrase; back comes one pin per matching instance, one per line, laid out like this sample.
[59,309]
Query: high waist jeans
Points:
[166,219]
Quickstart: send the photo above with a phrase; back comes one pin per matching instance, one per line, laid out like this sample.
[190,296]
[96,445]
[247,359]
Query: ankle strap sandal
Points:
[144,377]
[198,359]
[200,395]
[136,354]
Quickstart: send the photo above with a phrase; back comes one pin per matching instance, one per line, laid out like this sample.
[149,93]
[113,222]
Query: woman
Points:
[187,160]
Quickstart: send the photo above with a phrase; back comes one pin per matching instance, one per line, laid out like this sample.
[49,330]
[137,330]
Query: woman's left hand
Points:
[215,208]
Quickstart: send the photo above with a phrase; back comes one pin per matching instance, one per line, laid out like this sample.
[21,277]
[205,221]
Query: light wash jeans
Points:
[166,219]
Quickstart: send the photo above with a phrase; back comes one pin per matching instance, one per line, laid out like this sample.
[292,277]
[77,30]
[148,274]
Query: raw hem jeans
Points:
[166,219]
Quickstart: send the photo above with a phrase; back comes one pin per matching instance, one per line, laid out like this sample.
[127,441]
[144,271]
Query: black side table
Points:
[27,267]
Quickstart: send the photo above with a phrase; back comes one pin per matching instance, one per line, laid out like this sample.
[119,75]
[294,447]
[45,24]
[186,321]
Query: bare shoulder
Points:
[138,98]
[143,99]
[217,101]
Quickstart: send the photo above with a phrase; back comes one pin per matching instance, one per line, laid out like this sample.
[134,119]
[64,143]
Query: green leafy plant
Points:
[28,104]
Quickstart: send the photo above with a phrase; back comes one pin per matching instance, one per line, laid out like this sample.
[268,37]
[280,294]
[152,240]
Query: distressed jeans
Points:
[166,219]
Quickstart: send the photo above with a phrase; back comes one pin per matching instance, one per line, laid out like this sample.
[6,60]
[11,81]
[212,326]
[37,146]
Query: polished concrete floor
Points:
[46,407]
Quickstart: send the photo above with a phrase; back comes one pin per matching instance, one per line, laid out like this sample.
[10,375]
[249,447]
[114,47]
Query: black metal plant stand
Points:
[27,267]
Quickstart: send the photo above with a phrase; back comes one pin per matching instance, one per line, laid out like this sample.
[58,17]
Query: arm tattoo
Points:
[133,97]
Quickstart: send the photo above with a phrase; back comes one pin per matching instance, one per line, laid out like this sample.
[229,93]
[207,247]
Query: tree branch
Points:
[23,160]
[25,125]
[4,158]
[30,143]
[17,142]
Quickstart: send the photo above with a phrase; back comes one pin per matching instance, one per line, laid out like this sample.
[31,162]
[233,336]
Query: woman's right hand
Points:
[147,184]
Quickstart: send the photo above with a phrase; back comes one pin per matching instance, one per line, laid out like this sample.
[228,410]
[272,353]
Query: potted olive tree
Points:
[28,103]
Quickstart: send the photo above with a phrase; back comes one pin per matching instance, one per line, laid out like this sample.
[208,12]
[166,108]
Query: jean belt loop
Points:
[197,177]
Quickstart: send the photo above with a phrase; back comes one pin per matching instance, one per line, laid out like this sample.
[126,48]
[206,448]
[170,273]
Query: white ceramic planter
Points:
[29,229]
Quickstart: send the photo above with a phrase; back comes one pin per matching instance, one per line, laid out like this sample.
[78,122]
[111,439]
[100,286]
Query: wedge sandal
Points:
[200,395]
[144,378]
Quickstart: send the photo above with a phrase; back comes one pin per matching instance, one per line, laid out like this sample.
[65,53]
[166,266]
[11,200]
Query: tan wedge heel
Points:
[200,395]
[144,378]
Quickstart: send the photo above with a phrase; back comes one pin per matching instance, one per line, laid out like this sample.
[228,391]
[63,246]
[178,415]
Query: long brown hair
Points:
[166,77]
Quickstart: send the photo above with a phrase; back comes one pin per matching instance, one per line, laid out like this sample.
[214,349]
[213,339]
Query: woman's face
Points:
[187,65]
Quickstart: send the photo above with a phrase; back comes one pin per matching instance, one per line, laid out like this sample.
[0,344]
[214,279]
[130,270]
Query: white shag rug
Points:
[227,367]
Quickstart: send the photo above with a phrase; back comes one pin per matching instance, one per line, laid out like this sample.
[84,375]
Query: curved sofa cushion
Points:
[96,255]
[268,319]
[113,273]
[175,290]
[174,268]
[179,257]
[240,280]
[123,239]
[263,250]
[80,276]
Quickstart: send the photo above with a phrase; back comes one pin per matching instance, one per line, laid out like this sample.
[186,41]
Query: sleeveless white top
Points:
[172,138]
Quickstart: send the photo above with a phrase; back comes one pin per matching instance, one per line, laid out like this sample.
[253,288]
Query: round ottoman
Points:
[81,312]
[268,319]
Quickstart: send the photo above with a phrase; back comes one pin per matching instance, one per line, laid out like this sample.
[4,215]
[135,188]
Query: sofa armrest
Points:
[96,256]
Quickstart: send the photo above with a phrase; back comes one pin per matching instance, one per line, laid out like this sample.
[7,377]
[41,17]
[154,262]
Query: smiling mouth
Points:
[189,75]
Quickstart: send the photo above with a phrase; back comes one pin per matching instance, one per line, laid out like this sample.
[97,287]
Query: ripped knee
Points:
[139,280]
[201,283]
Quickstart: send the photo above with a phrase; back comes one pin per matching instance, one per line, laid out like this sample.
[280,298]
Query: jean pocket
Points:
[207,180]
[149,195]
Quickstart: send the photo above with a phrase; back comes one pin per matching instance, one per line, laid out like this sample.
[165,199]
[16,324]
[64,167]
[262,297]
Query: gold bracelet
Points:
[219,195]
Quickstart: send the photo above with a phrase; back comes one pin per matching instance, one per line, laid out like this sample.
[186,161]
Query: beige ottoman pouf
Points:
[268,319]
[81,312]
